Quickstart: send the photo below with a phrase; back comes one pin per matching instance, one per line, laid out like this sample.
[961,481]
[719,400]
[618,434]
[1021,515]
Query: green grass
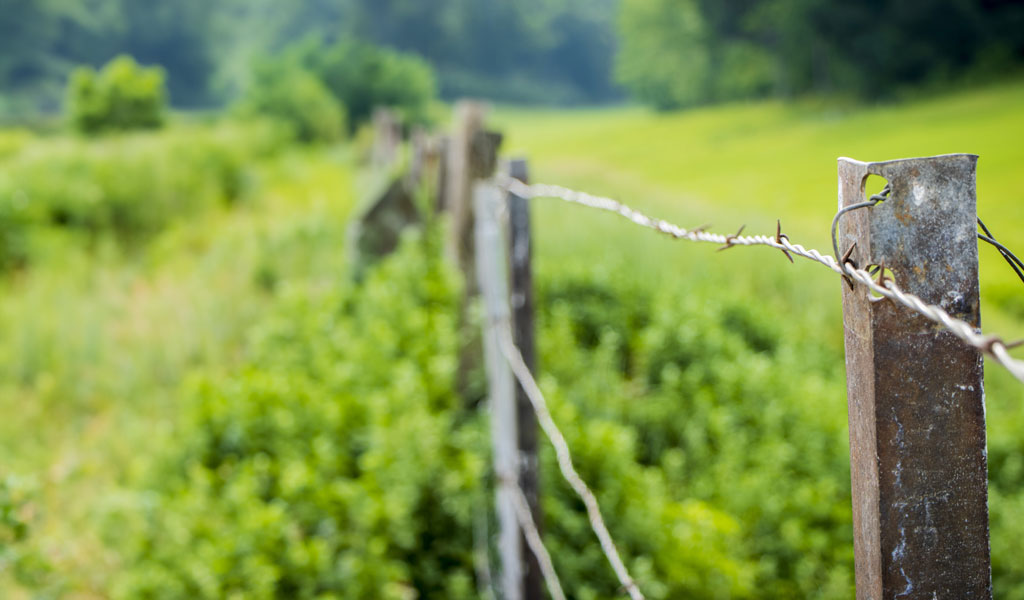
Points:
[754,163]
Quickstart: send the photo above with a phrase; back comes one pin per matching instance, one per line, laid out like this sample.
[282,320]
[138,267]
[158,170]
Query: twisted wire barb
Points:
[534,541]
[992,345]
[540,407]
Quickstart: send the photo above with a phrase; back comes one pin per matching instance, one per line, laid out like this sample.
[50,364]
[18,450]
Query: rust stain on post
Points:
[916,402]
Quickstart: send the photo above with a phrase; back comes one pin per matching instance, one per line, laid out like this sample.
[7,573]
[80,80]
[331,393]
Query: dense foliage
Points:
[121,96]
[677,53]
[128,186]
[668,53]
[41,42]
[554,50]
[339,463]
[296,98]
[363,77]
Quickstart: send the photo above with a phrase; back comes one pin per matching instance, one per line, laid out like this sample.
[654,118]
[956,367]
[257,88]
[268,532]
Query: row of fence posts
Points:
[915,392]
[489,241]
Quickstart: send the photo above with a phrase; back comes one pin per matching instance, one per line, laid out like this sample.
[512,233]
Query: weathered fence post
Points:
[441,189]
[916,403]
[472,155]
[387,138]
[492,275]
[521,279]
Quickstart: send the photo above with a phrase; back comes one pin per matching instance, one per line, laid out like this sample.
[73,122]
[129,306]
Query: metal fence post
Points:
[521,280]
[916,403]
[492,275]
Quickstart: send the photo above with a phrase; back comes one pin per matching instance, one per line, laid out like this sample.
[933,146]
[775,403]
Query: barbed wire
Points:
[533,539]
[1015,263]
[540,407]
[992,345]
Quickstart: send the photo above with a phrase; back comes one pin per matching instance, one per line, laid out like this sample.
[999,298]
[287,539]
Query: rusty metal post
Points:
[916,402]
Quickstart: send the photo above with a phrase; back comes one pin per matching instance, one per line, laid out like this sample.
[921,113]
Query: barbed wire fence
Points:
[993,345]
[500,245]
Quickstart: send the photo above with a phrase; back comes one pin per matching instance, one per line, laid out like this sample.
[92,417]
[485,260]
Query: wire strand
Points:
[992,345]
[534,541]
[565,464]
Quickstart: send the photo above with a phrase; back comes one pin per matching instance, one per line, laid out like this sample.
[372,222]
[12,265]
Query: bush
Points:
[298,99]
[363,76]
[122,96]
[338,462]
[308,475]
[18,557]
[129,186]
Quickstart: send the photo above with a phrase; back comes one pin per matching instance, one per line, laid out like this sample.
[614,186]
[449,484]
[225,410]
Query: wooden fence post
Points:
[469,119]
[472,155]
[441,189]
[521,280]
[916,403]
[492,275]
[387,138]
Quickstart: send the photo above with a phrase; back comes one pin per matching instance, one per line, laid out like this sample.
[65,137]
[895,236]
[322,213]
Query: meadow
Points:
[218,410]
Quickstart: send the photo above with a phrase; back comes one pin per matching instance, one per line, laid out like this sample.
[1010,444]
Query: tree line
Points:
[668,53]
[683,52]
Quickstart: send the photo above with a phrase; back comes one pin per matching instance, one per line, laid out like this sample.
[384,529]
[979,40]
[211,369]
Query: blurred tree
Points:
[664,58]
[681,52]
[749,49]
[179,36]
[362,76]
[122,96]
[297,98]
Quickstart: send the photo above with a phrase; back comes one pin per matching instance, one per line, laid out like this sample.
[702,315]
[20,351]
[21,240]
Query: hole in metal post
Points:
[875,188]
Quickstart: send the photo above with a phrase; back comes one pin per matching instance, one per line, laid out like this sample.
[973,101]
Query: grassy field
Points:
[97,340]
[754,163]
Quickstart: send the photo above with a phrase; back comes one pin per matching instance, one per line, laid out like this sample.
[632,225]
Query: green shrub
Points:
[18,556]
[338,462]
[306,475]
[121,96]
[298,99]
[363,76]
[130,186]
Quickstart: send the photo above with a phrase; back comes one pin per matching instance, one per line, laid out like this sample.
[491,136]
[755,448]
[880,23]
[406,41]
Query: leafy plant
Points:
[121,96]
[363,76]
[128,186]
[295,97]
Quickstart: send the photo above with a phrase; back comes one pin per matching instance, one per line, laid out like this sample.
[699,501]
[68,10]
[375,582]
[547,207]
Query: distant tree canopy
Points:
[317,88]
[537,51]
[42,41]
[668,53]
[677,53]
